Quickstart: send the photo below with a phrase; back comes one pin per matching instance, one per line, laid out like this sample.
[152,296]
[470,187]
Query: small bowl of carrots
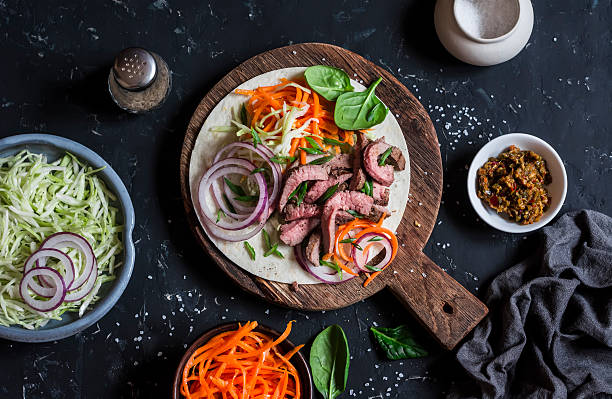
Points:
[243,360]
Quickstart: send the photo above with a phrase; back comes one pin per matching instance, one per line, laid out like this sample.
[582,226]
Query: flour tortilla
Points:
[209,143]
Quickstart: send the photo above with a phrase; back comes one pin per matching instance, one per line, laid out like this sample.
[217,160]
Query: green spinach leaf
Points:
[328,81]
[398,343]
[360,110]
[329,361]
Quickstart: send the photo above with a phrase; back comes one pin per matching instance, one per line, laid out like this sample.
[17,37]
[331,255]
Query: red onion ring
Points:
[59,289]
[77,295]
[220,229]
[361,259]
[265,153]
[43,254]
[70,240]
[324,274]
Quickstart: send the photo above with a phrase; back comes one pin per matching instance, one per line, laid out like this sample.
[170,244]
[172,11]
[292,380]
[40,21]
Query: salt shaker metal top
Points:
[139,80]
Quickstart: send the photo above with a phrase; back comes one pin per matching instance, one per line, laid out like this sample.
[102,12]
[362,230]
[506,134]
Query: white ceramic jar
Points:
[484,32]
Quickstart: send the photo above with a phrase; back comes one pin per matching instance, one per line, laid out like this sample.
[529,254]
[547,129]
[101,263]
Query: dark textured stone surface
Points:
[55,60]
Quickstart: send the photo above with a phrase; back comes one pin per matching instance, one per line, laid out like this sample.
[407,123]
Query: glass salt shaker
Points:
[139,80]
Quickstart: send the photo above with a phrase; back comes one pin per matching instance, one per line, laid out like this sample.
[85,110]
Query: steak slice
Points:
[380,194]
[342,201]
[396,158]
[302,211]
[359,176]
[293,233]
[340,161]
[313,248]
[320,187]
[376,213]
[295,176]
[382,174]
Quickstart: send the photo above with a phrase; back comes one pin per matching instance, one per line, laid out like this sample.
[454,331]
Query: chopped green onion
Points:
[244,117]
[229,204]
[258,170]
[331,141]
[256,138]
[322,160]
[271,250]
[368,188]
[373,269]
[347,241]
[332,265]
[329,192]
[311,151]
[375,239]
[302,193]
[355,214]
[277,253]
[266,237]
[236,189]
[384,156]
[247,198]
[282,159]
[219,213]
[357,246]
[250,250]
[314,144]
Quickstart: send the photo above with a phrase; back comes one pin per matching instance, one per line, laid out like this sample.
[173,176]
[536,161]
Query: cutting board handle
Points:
[443,306]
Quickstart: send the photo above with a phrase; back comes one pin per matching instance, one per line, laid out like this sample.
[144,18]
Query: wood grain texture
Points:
[425,297]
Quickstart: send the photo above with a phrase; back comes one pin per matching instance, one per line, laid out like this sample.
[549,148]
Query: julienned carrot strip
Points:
[241,364]
[370,278]
[294,145]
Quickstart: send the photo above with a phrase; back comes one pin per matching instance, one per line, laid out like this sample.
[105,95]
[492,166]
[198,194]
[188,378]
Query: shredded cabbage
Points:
[38,199]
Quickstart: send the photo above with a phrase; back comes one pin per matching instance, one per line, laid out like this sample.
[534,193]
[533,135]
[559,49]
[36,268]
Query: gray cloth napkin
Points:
[549,331]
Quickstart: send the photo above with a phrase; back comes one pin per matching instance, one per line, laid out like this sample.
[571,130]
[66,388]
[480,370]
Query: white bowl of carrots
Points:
[222,353]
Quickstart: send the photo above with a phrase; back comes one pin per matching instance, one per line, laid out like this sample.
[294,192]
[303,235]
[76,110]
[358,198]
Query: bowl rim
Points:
[102,307]
[307,383]
[488,218]
[465,31]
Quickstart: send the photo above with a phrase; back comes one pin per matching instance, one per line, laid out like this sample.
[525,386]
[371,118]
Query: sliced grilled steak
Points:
[343,217]
[377,211]
[313,248]
[371,154]
[319,188]
[293,233]
[396,158]
[302,211]
[340,161]
[295,176]
[342,201]
[380,194]
[359,176]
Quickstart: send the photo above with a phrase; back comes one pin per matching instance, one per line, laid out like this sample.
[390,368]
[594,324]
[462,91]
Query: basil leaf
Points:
[250,250]
[329,361]
[266,237]
[355,214]
[256,138]
[302,193]
[311,151]
[328,81]
[327,140]
[247,198]
[258,170]
[236,189]
[322,160]
[314,144]
[244,117]
[328,193]
[271,250]
[360,110]
[229,204]
[282,159]
[384,156]
[398,343]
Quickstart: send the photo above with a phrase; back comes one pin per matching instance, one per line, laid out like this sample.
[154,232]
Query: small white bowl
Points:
[557,188]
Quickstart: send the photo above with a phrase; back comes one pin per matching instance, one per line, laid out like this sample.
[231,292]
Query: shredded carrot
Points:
[317,121]
[241,364]
[302,152]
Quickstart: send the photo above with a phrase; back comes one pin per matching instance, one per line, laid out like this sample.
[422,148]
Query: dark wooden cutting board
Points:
[445,308]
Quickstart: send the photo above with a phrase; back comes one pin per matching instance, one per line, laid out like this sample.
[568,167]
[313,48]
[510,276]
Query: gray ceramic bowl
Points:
[54,147]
